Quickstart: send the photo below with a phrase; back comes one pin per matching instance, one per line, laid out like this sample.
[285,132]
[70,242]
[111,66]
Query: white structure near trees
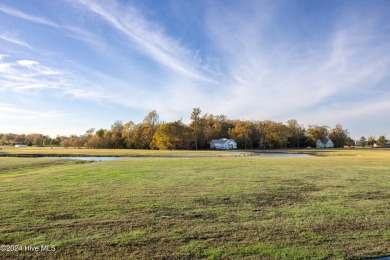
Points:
[20,145]
[324,143]
[223,144]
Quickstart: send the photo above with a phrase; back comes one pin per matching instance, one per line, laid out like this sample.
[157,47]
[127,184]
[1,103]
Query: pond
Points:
[112,158]
[96,159]
[285,155]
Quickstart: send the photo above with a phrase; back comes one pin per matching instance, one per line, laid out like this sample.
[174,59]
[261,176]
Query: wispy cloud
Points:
[20,119]
[91,39]
[29,77]
[27,63]
[258,78]
[281,77]
[148,37]
[9,111]
[78,33]
[36,67]
[15,41]
[2,56]
[19,14]
[6,68]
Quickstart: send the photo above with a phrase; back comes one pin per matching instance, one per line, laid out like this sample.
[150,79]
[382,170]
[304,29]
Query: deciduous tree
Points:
[371,141]
[297,133]
[243,132]
[174,135]
[381,141]
[316,132]
[339,136]
[363,141]
[196,125]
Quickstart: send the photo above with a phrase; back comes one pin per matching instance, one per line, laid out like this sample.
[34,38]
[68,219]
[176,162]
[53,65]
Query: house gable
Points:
[223,143]
[324,143]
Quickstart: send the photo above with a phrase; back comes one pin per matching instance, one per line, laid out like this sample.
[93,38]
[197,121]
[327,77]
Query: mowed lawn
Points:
[60,151]
[326,207]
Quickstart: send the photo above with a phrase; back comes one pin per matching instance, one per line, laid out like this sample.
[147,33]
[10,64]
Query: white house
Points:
[223,144]
[20,145]
[324,143]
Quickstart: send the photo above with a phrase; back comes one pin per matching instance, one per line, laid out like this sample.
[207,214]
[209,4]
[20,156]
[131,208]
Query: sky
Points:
[70,65]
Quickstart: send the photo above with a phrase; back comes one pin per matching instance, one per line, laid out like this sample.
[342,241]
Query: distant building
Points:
[20,145]
[223,144]
[324,143]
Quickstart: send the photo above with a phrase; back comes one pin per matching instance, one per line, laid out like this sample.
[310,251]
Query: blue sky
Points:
[70,65]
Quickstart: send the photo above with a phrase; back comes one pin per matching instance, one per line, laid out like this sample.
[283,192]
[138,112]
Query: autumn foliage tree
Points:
[316,132]
[244,133]
[339,136]
[381,141]
[215,127]
[174,135]
[296,133]
[151,134]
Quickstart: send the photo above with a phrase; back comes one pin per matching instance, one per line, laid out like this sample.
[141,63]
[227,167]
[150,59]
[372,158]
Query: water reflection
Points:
[285,155]
[96,159]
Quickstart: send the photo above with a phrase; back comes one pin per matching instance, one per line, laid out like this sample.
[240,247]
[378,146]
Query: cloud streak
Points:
[19,14]
[29,77]
[148,38]
[16,41]
[277,80]
[9,111]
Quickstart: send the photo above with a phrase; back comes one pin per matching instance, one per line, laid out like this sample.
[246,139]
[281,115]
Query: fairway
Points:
[332,206]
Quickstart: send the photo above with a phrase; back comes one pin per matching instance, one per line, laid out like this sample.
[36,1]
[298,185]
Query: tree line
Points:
[151,133]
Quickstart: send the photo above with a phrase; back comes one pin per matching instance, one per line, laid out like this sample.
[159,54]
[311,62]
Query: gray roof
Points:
[324,140]
[221,141]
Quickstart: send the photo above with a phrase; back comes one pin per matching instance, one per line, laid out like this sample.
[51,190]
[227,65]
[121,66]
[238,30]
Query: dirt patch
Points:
[370,195]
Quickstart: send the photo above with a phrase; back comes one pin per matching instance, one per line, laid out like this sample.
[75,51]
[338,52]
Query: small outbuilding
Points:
[223,144]
[324,143]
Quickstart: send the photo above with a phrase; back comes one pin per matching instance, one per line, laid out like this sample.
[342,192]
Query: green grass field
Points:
[60,151]
[333,206]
